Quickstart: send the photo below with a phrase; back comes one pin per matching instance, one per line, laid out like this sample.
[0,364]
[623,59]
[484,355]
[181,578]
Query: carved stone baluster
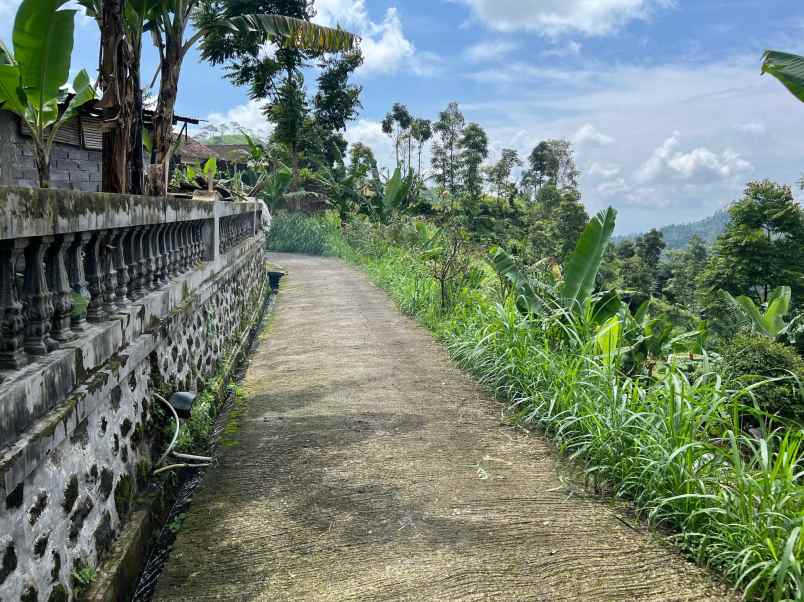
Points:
[159,253]
[221,235]
[185,247]
[177,247]
[147,261]
[59,284]
[78,279]
[132,254]
[164,253]
[170,241]
[226,233]
[196,243]
[109,273]
[121,267]
[36,299]
[156,234]
[179,237]
[96,278]
[153,253]
[191,242]
[12,327]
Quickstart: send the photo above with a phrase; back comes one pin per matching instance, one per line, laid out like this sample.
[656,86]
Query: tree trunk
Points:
[43,167]
[137,172]
[115,81]
[165,107]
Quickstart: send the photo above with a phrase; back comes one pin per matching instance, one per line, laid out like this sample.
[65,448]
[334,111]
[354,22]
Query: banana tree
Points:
[169,28]
[33,77]
[584,263]
[575,293]
[787,68]
[771,323]
[135,17]
[395,195]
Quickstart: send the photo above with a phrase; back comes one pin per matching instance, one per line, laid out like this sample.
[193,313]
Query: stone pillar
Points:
[95,278]
[78,280]
[12,327]
[184,257]
[173,246]
[164,255]
[152,278]
[121,267]
[36,299]
[134,260]
[110,274]
[59,284]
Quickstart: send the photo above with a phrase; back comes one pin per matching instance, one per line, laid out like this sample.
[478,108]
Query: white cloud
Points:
[700,163]
[386,48]
[248,116]
[604,170]
[489,51]
[340,12]
[554,17]
[640,106]
[571,48]
[752,127]
[518,72]
[589,134]
[370,133]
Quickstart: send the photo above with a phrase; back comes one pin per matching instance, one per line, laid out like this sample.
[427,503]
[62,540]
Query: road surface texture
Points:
[368,467]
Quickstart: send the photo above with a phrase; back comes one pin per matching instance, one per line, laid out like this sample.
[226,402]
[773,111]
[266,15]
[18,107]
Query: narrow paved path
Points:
[368,467]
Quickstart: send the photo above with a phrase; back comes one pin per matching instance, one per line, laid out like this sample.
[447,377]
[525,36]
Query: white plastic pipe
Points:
[175,435]
[191,457]
[174,466]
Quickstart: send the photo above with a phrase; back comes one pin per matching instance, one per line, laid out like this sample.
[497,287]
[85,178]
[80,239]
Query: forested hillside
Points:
[678,236]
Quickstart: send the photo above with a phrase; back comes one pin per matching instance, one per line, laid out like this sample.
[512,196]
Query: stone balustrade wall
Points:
[101,297]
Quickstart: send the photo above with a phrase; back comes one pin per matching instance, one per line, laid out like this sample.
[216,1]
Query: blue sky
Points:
[662,98]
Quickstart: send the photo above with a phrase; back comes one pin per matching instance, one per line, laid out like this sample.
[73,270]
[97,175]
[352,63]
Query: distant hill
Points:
[678,235]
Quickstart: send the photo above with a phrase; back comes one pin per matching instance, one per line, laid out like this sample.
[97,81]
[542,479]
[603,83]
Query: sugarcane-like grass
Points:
[672,443]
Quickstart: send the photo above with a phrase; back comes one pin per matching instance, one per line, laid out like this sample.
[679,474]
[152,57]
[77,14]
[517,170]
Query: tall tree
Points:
[686,267]
[557,219]
[396,125]
[361,160]
[421,131]
[337,101]
[551,161]
[448,130]
[499,174]
[649,247]
[290,113]
[763,246]
[117,102]
[236,31]
[474,145]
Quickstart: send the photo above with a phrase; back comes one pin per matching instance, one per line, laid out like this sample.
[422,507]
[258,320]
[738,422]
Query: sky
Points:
[662,99]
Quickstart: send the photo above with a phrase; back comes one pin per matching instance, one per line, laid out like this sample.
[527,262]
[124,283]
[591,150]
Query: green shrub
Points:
[302,233]
[754,359]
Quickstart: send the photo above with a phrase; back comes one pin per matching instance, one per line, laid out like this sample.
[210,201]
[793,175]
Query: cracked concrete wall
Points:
[66,514]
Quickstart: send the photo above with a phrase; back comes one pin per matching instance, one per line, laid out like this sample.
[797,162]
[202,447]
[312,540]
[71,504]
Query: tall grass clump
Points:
[690,448]
[307,234]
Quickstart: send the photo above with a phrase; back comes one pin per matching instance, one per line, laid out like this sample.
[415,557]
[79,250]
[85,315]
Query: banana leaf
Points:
[787,68]
[584,263]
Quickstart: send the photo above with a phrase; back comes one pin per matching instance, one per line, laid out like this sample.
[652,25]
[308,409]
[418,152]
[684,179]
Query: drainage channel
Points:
[191,478]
